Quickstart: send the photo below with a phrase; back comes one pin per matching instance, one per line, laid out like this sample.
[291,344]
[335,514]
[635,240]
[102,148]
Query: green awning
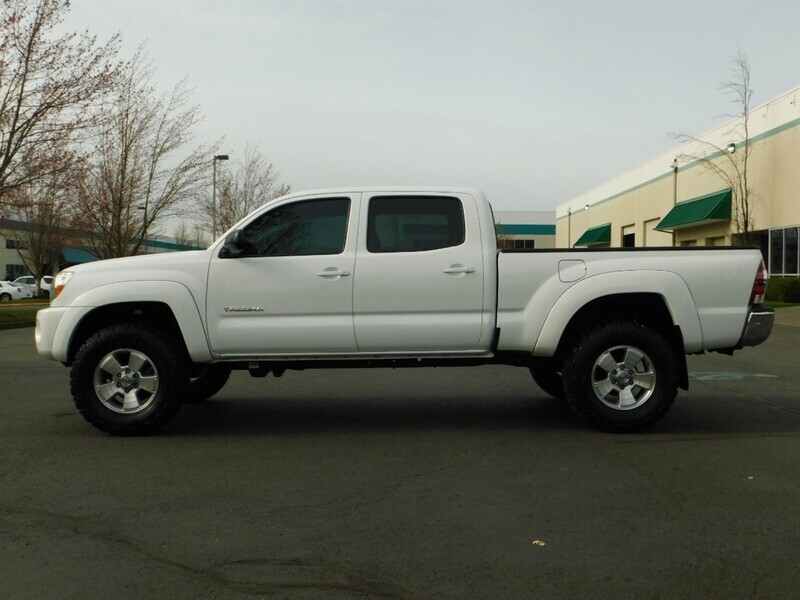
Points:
[76,256]
[595,235]
[712,208]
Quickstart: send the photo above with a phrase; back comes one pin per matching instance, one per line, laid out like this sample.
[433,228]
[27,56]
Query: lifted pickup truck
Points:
[396,278]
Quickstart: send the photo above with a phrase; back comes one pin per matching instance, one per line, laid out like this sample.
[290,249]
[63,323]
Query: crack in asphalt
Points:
[303,574]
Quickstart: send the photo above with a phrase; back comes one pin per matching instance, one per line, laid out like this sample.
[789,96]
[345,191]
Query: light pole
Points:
[214,194]
[674,190]
[143,236]
[569,224]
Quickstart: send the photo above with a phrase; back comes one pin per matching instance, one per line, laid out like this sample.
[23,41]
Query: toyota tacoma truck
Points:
[401,277]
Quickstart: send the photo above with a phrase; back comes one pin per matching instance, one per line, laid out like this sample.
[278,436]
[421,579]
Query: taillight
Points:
[759,285]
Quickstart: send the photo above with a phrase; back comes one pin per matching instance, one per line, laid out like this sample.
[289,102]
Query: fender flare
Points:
[174,295]
[666,284]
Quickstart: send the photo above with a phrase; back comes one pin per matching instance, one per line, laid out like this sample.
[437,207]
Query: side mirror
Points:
[235,245]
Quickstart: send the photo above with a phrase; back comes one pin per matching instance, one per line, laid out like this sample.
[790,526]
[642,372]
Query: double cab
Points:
[400,277]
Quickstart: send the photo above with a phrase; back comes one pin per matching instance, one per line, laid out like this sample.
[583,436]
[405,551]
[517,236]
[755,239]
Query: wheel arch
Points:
[157,314]
[176,313]
[647,308]
[658,297]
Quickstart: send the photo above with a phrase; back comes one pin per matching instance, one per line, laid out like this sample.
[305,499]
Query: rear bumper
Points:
[758,326]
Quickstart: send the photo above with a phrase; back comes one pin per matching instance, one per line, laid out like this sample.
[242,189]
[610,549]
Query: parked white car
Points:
[29,291]
[12,291]
[45,284]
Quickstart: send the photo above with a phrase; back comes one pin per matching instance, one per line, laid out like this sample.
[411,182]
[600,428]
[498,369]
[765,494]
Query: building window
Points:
[14,271]
[15,245]
[504,243]
[783,251]
[629,240]
[790,256]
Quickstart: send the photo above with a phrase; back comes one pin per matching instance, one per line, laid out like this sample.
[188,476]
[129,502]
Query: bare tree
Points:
[182,234]
[42,208]
[730,163]
[200,238]
[47,86]
[252,182]
[190,235]
[140,170]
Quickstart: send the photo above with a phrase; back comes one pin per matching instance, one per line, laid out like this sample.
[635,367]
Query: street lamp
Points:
[214,193]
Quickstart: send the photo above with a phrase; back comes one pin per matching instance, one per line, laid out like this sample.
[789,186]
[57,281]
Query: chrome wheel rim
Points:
[126,381]
[623,377]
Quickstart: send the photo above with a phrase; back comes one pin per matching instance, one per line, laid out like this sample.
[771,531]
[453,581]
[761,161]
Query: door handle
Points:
[454,269]
[333,272]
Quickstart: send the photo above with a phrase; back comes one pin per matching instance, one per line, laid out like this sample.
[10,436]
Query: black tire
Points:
[207,381]
[621,377]
[126,379]
[547,375]
[5,297]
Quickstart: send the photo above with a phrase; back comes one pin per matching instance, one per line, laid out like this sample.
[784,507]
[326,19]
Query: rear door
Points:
[419,282]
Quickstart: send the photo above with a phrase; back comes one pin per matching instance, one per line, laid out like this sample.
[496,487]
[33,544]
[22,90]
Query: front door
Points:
[290,290]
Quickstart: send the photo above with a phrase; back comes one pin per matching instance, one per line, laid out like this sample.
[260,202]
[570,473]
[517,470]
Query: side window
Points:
[414,223]
[311,227]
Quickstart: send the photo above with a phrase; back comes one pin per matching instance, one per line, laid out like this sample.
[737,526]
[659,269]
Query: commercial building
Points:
[691,195]
[12,244]
[525,229]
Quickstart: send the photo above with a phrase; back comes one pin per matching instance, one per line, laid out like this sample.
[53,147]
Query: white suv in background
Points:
[45,284]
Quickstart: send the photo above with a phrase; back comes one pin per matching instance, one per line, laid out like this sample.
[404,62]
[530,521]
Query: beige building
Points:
[688,196]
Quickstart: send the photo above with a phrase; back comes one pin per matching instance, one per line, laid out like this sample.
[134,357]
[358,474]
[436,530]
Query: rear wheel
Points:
[621,377]
[127,379]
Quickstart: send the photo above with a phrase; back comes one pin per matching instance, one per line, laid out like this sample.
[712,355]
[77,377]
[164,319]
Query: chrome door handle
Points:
[333,272]
[451,270]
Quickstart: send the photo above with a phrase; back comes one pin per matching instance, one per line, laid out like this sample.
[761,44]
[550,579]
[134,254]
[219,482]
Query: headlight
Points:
[60,281]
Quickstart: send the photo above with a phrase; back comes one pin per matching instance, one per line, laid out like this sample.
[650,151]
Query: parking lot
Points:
[441,483]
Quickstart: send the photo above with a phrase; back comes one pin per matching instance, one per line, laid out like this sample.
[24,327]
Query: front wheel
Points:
[5,297]
[127,379]
[547,375]
[621,377]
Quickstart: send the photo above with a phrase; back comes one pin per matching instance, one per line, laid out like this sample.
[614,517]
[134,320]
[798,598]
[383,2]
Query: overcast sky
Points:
[532,101]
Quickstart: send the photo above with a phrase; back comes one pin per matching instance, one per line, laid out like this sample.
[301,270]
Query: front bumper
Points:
[758,326]
[47,321]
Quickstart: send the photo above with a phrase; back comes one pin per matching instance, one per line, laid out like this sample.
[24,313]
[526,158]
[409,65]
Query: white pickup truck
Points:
[396,278]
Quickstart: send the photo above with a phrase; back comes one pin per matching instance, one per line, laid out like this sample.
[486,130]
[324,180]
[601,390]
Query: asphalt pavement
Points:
[413,484]
[788,315]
